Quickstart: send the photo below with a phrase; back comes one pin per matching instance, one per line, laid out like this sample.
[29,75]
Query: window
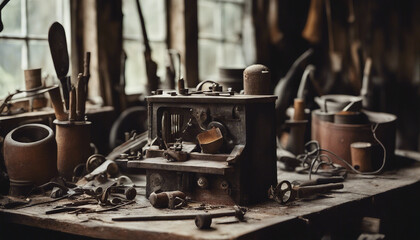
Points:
[154,13]
[220,27]
[24,39]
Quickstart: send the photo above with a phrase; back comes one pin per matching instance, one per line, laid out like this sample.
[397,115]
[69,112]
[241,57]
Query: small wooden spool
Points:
[299,106]
[361,156]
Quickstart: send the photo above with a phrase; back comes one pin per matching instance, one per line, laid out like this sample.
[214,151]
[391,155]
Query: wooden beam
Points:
[183,36]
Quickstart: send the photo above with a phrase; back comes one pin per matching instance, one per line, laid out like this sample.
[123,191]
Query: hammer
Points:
[202,221]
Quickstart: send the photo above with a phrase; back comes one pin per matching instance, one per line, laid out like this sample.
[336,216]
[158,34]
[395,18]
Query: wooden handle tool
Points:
[57,102]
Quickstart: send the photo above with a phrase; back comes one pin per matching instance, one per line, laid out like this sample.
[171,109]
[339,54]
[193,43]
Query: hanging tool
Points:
[284,192]
[58,48]
[1,7]
[151,66]
[335,57]
[355,50]
[313,31]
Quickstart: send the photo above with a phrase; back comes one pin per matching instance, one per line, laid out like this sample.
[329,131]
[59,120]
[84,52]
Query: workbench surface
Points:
[265,220]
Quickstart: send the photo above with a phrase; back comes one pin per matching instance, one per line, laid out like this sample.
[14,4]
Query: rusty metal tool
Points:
[318,181]
[82,88]
[72,104]
[284,192]
[171,200]
[58,48]
[201,220]
[129,193]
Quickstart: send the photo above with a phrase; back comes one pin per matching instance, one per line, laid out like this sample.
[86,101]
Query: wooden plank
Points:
[198,166]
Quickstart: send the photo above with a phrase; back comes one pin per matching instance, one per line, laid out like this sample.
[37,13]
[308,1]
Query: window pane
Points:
[135,71]
[159,56]
[11,73]
[232,55]
[154,16]
[208,64]
[40,57]
[232,21]
[209,19]
[41,14]
[11,17]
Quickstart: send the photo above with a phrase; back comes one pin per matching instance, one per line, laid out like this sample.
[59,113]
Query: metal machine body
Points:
[238,172]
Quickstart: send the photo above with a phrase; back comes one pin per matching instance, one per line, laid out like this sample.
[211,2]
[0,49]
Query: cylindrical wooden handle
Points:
[57,103]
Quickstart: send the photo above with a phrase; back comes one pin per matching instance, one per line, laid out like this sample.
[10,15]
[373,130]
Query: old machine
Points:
[209,145]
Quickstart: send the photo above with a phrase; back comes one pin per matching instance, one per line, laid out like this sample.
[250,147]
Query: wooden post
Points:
[183,36]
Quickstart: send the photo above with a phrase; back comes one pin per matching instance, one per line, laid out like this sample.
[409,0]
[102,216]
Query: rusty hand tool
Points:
[60,210]
[201,220]
[72,104]
[1,7]
[171,200]
[284,192]
[58,48]
[130,193]
[319,181]
[82,88]
[108,167]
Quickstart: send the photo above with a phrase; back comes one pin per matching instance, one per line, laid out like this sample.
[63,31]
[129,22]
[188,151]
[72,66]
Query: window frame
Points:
[26,37]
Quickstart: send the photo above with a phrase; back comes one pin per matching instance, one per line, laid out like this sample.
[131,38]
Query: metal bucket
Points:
[338,137]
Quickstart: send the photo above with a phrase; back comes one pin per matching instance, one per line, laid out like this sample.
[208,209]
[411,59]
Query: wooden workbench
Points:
[393,195]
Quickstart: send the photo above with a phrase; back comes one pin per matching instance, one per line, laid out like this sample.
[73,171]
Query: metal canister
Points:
[257,79]
[73,145]
[32,78]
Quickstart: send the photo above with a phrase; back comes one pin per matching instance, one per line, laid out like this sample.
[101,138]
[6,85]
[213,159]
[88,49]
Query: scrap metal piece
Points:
[172,200]
[284,192]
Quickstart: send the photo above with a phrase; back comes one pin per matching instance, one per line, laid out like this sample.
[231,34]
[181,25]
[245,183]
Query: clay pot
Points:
[30,154]
[73,145]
